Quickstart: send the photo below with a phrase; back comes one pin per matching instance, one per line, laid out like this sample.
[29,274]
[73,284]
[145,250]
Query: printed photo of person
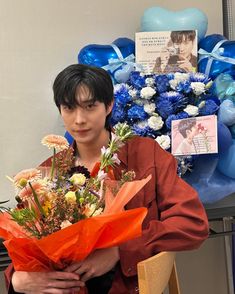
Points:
[188,129]
[179,54]
[195,135]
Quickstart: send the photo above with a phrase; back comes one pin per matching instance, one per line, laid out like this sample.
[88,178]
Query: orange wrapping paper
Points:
[77,241]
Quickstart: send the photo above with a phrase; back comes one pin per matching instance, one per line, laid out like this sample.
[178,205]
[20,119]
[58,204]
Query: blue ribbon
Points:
[215,54]
[115,63]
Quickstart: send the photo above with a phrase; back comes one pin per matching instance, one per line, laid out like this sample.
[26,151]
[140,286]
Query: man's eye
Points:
[90,106]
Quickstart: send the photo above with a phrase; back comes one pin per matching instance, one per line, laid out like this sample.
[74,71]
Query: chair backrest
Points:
[158,272]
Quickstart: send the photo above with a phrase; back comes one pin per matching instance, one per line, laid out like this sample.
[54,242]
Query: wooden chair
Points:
[158,272]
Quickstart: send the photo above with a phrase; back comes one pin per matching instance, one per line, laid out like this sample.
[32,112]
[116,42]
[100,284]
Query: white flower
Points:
[117,87]
[198,88]
[149,82]
[101,175]
[92,211]
[181,77]
[147,92]
[70,197]
[155,123]
[149,108]
[65,224]
[78,179]
[115,158]
[164,141]
[191,110]
[173,84]
[105,151]
[133,93]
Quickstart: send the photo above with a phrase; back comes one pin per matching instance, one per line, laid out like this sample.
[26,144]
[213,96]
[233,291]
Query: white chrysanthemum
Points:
[133,93]
[164,141]
[149,82]
[198,88]
[147,92]
[155,122]
[149,108]
[181,77]
[173,84]
[191,110]
[65,224]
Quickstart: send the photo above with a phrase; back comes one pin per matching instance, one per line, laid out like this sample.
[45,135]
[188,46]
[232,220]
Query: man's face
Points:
[185,48]
[192,133]
[86,121]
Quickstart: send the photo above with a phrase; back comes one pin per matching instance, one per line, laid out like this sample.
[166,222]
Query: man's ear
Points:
[110,107]
[187,132]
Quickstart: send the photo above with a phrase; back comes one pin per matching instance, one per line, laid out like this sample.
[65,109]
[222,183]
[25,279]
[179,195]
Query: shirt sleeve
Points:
[182,223]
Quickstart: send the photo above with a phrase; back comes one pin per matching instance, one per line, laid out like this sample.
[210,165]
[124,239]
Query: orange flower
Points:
[26,175]
[27,193]
[55,141]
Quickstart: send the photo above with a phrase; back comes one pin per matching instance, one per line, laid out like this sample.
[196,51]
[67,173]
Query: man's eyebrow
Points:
[88,101]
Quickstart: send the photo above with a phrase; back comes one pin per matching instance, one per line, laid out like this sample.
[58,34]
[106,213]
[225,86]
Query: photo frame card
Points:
[194,135]
[166,51]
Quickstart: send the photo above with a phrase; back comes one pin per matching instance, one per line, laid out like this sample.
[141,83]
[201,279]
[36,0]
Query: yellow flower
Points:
[78,179]
[46,207]
[70,197]
[55,141]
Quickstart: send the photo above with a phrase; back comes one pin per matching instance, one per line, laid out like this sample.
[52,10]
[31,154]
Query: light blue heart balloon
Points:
[226,163]
[161,19]
[226,112]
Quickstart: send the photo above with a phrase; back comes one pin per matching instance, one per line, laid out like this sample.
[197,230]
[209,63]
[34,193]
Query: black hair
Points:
[97,80]
[185,125]
[178,36]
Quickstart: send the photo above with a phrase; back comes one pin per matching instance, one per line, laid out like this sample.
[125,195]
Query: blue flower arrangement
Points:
[149,103]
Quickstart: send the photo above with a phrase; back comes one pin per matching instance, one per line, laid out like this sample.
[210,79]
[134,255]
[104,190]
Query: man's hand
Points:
[46,282]
[96,264]
[185,64]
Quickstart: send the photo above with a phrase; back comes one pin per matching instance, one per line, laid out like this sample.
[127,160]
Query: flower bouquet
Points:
[149,103]
[63,212]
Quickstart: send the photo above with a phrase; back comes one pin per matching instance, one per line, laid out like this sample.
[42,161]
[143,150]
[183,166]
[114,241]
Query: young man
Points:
[176,219]
[177,56]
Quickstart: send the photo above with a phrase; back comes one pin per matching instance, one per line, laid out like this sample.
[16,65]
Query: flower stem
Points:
[35,196]
[53,164]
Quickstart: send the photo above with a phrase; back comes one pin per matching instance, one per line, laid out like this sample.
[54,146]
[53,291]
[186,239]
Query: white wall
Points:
[40,38]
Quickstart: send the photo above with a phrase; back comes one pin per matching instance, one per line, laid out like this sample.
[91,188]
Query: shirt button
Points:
[129,269]
[136,289]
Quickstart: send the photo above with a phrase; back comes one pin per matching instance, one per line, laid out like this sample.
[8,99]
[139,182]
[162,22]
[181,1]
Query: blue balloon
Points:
[226,163]
[100,55]
[218,66]
[232,130]
[161,19]
[226,112]
[224,138]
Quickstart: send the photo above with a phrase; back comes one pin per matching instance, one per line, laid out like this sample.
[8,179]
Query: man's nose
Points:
[80,117]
